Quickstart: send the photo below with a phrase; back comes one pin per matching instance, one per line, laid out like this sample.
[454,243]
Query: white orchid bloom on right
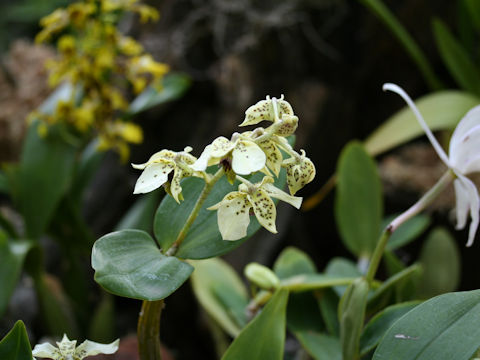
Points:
[463,159]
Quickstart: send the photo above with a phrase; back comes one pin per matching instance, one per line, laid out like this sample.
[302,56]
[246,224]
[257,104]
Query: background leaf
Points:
[128,263]
[15,345]
[320,346]
[407,232]
[264,337]
[442,328]
[358,201]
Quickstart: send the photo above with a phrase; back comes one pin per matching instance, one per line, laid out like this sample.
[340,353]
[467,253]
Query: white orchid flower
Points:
[246,157]
[233,212]
[157,169]
[463,159]
[67,350]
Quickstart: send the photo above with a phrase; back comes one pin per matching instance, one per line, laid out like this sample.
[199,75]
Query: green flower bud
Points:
[261,276]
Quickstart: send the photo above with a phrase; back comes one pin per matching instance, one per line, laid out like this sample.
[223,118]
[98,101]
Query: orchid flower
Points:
[233,212]
[463,159]
[67,350]
[300,171]
[242,153]
[157,169]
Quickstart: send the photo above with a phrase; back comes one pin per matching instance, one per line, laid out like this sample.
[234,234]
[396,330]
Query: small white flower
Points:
[246,156]
[233,213]
[157,169]
[463,159]
[67,350]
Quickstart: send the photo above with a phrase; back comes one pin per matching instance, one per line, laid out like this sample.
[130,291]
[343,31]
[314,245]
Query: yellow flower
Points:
[300,171]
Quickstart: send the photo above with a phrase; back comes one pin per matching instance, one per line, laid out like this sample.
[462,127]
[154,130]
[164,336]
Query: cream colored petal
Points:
[233,217]
[300,171]
[262,110]
[468,197]
[163,154]
[248,157]
[202,162]
[175,187]
[462,204]
[273,156]
[264,209]
[469,121]
[288,125]
[46,350]
[221,146]
[275,192]
[465,154]
[66,346]
[153,177]
[230,196]
[90,348]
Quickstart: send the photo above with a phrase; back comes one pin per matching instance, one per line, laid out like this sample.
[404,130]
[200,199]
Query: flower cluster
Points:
[93,57]
[67,349]
[264,150]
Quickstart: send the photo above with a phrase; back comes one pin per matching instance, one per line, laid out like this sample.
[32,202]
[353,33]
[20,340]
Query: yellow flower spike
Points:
[129,46]
[66,44]
[52,24]
[131,133]
[147,13]
[300,171]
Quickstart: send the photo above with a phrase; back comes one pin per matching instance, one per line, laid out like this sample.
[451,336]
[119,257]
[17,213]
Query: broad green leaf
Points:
[293,261]
[351,312]
[174,86]
[407,232]
[441,110]
[440,259]
[320,346]
[442,328]
[378,8]
[46,169]
[221,292]
[12,255]
[264,337]
[328,307]
[15,345]
[204,239]
[342,267]
[309,282]
[358,202]
[380,323]
[140,215]
[128,263]
[456,58]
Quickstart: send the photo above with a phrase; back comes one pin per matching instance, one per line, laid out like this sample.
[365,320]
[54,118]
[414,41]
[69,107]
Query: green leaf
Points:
[46,169]
[12,254]
[309,282]
[320,346]
[293,261]
[4,188]
[456,58]
[351,312]
[141,214]
[344,268]
[407,232]
[441,110]
[358,202]
[102,325]
[15,345]
[328,307]
[128,263]
[204,239]
[411,47]
[174,86]
[473,7]
[440,259]
[264,337]
[221,292]
[442,328]
[380,323]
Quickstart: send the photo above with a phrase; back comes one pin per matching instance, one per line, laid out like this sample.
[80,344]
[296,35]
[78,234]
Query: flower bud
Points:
[261,276]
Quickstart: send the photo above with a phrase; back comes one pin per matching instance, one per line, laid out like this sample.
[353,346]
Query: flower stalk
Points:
[148,330]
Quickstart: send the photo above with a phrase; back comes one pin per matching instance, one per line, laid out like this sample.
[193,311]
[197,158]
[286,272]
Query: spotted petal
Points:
[264,110]
[175,188]
[300,171]
[90,348]
[46,350]
[275,192]
[273,156]
[467,199]
[163,154]
[264,209]
[154,176]
[248,157]
[233,215]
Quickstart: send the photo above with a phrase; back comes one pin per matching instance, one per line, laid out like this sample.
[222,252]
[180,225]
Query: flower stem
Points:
[148,330]
[420,205]
[196,209]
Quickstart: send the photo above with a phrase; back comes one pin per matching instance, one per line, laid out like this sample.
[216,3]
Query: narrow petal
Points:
[462,204]
[46,350]
[273,156]
[248,157]
[153,177]
[233,217]
[175,188]
[262,110]
[275,192]
[464,153]
[90,348]
[264,209]
[397,89]
[163,154]
[202,162]
[470,195]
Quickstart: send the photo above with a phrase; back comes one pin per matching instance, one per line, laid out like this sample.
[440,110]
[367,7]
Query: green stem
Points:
[420,205]
[148,330]
[196,209]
